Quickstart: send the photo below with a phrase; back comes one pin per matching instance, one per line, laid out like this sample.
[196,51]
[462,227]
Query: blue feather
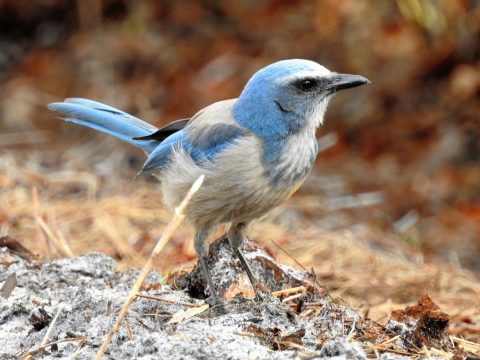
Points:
[108,120]
[159,157]
[209,142]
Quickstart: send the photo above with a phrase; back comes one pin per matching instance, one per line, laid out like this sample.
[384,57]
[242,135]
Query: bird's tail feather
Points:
[107,119]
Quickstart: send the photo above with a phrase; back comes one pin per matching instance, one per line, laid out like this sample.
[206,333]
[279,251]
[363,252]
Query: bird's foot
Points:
[262,293]
[217,305]
[258,298]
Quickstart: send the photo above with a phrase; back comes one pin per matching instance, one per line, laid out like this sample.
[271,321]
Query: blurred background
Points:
[392,208]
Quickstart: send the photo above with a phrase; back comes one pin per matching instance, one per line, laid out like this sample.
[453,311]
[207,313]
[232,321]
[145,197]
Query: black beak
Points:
[346,81]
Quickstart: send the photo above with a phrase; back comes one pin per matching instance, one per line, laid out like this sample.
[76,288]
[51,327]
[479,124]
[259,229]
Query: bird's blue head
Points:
[288,96]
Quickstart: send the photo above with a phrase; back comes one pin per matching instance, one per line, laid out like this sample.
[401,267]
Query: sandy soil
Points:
[64,308]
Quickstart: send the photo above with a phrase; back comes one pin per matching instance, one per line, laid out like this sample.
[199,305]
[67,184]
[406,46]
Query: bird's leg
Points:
[201,248]
[236,237]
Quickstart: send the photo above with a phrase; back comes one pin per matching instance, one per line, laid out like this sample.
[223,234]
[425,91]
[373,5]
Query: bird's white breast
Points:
[294,160]
[235,188]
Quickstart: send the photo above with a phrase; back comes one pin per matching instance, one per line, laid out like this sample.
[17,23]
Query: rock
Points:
[231,279]
[425,323]
[342,349]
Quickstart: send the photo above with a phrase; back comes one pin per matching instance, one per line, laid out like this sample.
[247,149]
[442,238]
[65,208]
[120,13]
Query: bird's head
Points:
[289,95]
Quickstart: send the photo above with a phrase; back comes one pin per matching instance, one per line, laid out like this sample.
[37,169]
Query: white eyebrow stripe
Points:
[304,74]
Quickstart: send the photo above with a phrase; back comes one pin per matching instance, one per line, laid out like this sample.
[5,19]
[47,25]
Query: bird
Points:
[255,151]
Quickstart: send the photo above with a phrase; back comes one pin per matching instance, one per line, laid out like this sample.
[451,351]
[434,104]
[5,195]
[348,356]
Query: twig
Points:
[351,334]
[389,340]
[466,344]
[184,315]
[60,243]
[43,239]
[44,346]
[289,291]
[318,303]
[395,351]
[50,328]
[172,301]
[289,255]
[172,226]
[305,313]
[129,331]
[293,297]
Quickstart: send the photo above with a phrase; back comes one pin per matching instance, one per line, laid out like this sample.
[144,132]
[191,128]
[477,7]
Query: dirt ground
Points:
[64,308]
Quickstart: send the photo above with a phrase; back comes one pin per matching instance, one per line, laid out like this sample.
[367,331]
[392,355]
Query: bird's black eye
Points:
[307,84]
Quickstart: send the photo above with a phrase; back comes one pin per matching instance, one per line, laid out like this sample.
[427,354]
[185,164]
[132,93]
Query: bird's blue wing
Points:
[209,132]
[159,157]
[202,145]
[210,140]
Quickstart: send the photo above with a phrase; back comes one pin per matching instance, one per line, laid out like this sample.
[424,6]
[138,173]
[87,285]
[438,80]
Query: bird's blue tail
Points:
[107,119]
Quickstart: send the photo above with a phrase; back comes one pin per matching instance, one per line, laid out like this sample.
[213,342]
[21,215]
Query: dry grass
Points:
[63,213]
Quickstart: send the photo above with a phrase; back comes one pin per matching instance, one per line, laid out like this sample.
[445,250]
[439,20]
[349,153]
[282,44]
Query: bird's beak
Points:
[346,81]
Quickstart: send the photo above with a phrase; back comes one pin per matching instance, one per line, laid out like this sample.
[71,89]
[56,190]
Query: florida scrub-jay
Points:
[255,151]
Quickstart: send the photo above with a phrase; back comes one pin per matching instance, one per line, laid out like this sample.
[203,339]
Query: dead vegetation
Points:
[302,321]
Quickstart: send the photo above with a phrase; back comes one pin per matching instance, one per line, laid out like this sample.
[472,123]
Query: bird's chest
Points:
[291,160]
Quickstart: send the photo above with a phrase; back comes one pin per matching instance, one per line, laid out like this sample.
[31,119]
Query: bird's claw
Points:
[217,305]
